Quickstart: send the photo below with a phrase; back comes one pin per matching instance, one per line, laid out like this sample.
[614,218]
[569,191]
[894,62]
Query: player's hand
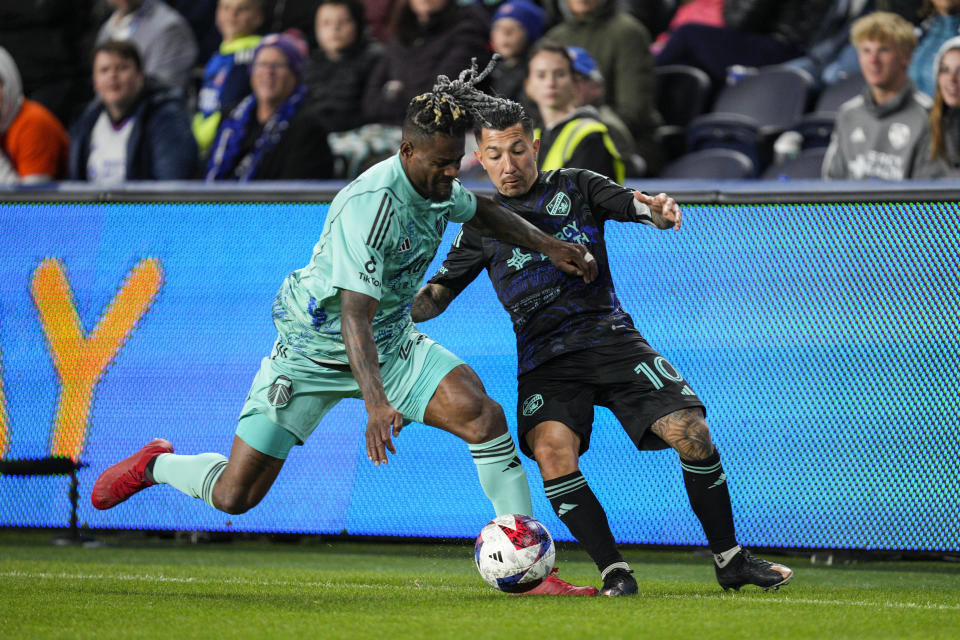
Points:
[664,209]
[382,419]
[575,260]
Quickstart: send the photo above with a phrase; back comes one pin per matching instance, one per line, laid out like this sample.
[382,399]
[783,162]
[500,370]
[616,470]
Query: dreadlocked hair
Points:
[454,107]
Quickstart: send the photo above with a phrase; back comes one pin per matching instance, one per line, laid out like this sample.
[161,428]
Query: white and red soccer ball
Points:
[514,553]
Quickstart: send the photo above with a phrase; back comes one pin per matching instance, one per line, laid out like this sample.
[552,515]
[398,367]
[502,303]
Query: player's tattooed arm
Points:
[687,432]
[357,311]
[494,221]
[431,301]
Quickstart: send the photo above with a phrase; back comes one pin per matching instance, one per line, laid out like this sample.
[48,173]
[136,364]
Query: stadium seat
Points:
[682,94]
[807,164]
[750,114]
[717,164]
[817,126]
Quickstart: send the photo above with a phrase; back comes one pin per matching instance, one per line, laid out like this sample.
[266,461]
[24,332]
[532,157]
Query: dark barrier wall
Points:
[823,338]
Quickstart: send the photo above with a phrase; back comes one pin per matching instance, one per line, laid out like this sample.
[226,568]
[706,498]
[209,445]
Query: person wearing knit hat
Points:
[584,64]
[292,46]
[270,135]
[529,15]
[515,26]
[942,156]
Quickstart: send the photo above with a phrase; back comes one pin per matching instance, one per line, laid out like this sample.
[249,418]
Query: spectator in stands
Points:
[942,23]
[590,91]
[571,136]
[942,158]
[620,44]
[226,78]
[708,12]
[880,133]
[33,143]
[428,38]
[337,72]
[163,37]
[134,129]
[270,135]
[757,33]
[377,14]
[516,26]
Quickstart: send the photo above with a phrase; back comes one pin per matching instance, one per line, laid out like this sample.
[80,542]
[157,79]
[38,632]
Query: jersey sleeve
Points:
[464,203]
[610,200]
[358,234]
[464,262]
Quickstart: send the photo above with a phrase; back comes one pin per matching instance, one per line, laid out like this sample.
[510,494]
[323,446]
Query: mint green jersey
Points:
[378,239]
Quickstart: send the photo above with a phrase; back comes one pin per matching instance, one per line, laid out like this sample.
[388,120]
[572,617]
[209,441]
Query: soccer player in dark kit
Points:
[577,348]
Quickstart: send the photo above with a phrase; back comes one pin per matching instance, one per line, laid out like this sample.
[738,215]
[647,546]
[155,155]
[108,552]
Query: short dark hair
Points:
[508,114]
[552,47]
[354,7]
[122,48]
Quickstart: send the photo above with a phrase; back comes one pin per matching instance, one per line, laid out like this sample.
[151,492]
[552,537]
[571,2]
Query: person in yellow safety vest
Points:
[571,136]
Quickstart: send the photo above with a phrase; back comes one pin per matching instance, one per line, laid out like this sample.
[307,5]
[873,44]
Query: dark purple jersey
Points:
[552,313]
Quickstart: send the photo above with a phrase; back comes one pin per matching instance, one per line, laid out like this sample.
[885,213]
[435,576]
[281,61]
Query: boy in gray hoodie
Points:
[881,132]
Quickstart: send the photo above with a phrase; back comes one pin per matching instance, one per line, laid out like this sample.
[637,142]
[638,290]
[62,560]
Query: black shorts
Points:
[631,379]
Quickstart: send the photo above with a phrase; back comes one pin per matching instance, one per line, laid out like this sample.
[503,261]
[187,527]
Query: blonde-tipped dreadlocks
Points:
[454,106]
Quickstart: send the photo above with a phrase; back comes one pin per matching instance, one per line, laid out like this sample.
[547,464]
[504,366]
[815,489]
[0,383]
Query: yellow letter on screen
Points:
[80,360]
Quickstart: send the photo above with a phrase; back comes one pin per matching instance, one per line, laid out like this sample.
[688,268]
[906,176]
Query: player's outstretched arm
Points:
[494,221]
[357,311]
[431,301]
[664,210]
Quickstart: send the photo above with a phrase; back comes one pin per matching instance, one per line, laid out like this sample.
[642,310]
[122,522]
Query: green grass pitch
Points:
[157,588]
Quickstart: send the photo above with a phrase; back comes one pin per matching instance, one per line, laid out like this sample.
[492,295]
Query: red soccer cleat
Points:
[554,586]
[127,477]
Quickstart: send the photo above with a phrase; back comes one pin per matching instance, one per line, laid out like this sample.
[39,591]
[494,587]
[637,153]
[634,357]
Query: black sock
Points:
[576,506]
[707,489]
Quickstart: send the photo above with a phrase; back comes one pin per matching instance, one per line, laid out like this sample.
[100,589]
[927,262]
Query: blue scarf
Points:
[224,163]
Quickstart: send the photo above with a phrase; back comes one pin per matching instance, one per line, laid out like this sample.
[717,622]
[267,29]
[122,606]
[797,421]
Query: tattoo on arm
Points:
[430,302]
[687,432]
[357,311]
[493,221]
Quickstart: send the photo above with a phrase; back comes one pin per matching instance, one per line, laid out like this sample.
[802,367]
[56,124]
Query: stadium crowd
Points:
[109,91]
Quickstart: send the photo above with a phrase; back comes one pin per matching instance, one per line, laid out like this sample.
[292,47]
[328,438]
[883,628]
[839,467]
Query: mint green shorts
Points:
[294,392]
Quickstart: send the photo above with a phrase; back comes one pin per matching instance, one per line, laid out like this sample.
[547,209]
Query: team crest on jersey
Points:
[518,259]
[532,404]
[559,205]
[279,394]
[899,135]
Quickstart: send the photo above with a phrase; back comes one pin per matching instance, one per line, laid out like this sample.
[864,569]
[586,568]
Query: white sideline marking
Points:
[242,581]
[777,599]
[784,599]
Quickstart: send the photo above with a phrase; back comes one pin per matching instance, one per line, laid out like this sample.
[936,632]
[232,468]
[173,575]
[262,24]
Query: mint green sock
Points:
[193,475]
[502,476]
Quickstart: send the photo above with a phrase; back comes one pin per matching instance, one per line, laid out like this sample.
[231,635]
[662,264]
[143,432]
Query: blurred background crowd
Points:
[110,91]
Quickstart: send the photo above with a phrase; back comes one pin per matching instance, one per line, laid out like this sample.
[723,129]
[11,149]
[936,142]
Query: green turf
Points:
[157,588]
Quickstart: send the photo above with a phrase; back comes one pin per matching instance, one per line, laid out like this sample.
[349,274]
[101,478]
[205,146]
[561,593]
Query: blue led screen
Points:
[823,339]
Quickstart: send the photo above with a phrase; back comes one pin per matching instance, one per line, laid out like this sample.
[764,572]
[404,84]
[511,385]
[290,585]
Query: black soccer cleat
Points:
[743,569]
[619,582]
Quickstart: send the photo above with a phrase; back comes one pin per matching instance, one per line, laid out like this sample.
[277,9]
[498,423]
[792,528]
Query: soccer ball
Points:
[514,553]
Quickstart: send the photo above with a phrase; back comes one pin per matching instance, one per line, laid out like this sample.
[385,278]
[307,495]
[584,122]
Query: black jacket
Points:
[336,86]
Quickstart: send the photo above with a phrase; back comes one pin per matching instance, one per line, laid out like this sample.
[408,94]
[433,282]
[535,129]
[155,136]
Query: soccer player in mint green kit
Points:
[344,330]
